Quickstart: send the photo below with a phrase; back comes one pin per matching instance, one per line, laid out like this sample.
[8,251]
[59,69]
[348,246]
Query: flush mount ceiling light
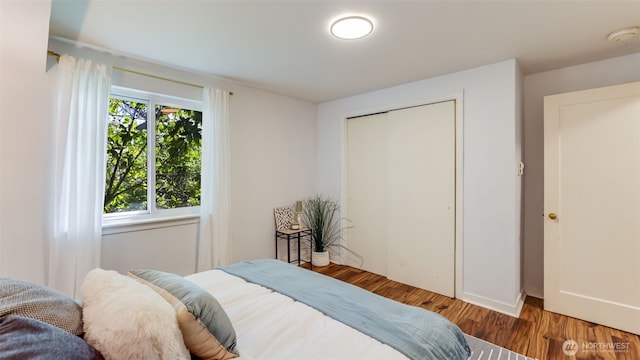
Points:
[623,34]
[351,27]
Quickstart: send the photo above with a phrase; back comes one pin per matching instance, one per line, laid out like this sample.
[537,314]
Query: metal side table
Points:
[300,234]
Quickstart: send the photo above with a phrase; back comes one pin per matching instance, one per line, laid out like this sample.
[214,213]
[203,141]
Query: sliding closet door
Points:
[367,191]
[421,197]
[401,195]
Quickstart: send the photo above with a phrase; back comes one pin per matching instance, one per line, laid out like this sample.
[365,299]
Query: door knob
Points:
[553,216]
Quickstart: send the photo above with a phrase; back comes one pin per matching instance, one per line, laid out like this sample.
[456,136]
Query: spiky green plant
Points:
[322,216]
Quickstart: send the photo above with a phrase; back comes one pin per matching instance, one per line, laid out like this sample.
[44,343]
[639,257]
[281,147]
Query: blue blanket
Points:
[415,332]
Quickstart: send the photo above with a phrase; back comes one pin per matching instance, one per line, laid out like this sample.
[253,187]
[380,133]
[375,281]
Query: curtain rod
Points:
[51,53]
[57,56]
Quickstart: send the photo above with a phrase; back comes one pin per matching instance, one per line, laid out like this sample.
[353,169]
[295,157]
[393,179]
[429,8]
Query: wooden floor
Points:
[536,333]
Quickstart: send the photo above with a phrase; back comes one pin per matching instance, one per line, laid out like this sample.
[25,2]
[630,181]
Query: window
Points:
[153,155]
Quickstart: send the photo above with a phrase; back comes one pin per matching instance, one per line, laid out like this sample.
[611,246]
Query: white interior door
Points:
[401,195]
[421,203]
[592,205]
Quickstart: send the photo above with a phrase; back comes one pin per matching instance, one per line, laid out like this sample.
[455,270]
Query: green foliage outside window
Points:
[126,186]
[178,157]
[177,153]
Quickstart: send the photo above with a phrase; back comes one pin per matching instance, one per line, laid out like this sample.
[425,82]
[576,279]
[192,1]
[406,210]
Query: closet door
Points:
[367,191]
[421,197]
[401,195]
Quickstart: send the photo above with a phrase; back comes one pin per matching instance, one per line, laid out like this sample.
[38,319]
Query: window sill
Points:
[128,224]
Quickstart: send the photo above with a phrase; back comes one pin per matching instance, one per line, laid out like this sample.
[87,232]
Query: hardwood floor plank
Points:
[520,337]
[537,333]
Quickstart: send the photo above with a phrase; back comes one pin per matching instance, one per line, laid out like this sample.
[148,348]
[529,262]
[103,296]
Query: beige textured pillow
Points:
[206,328]
[41,303]
[124,319]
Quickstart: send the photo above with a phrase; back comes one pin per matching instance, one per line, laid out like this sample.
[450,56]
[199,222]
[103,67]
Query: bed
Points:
[272,325]
[262,309]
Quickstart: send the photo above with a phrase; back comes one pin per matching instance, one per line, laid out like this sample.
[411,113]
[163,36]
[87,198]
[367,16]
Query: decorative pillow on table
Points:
[26,338]
[124,319]
[206,328]
[41,303]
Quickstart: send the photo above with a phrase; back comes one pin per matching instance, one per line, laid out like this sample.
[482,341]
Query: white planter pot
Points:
[320,258]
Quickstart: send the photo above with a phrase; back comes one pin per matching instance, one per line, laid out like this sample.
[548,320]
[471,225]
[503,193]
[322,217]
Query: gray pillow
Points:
[40,302]
[197,310]
[26,338]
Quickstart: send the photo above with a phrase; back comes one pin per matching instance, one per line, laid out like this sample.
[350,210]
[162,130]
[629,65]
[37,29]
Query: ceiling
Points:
[285,46]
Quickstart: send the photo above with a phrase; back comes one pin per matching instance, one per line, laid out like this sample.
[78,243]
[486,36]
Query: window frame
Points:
[151,214]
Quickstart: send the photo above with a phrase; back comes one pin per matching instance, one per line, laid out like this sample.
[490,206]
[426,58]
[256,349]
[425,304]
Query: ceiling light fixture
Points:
[623,34]
[351,27]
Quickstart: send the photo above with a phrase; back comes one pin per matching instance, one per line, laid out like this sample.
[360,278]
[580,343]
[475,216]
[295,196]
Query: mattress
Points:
[270,325]
[330,320]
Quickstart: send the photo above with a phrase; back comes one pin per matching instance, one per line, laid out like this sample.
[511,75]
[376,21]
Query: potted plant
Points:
[322,216]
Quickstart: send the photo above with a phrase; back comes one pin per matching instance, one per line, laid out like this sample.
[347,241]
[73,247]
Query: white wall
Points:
[491,215]
[518,209]
[592,75]
[168,246]
[273,163]
[24,28]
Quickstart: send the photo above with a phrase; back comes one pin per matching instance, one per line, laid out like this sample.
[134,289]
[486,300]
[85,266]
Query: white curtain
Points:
[79,155]
[214,247]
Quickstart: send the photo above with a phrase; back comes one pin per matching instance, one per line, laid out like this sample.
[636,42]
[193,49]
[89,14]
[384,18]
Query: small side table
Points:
[295,234]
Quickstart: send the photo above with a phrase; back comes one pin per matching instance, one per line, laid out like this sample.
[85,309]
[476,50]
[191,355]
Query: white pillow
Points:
[124,319]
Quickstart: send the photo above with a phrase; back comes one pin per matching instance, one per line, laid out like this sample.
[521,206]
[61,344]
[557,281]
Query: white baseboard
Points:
[499,306]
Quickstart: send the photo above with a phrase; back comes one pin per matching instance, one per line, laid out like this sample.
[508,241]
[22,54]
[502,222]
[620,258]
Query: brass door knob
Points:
[553,216]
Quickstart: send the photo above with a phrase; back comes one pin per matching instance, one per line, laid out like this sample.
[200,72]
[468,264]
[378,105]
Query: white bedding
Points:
[273,326]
